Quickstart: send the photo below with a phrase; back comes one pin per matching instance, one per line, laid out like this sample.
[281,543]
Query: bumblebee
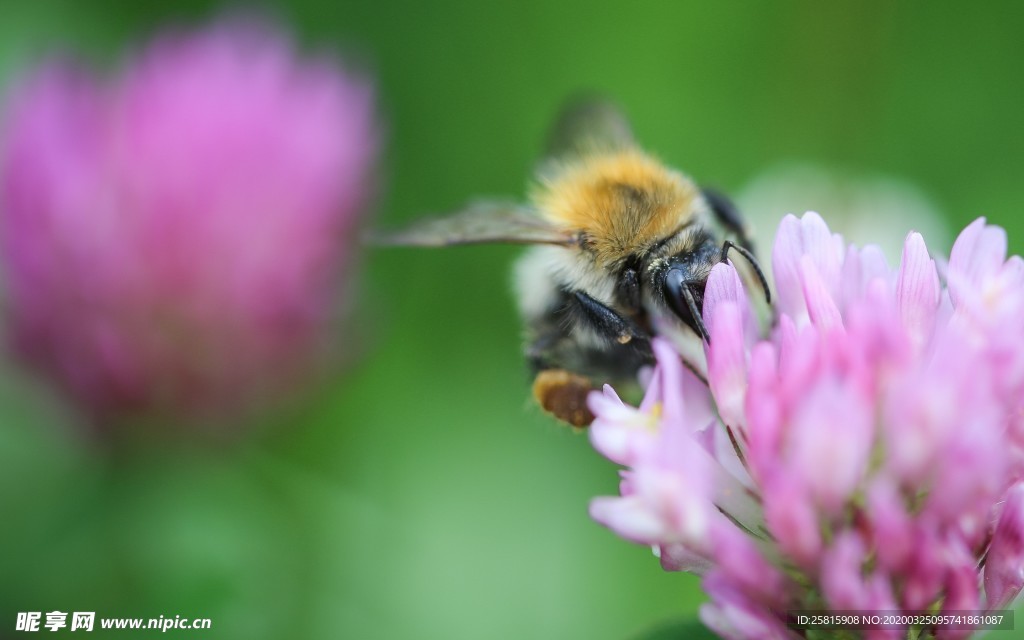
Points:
[622,245]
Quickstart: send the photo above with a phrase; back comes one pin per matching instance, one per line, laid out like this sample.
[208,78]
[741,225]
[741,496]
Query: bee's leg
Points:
[559,391]
[562,365]
[729,215]
[543,349]
[607,322]
[551,354]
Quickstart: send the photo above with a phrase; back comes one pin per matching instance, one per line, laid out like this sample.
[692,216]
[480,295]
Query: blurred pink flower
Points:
[865,455]
[174,239]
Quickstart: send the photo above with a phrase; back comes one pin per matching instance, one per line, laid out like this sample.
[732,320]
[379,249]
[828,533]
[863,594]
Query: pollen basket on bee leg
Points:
[564,395]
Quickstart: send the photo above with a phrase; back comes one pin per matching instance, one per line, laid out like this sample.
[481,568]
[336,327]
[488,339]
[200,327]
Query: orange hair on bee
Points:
[619,200]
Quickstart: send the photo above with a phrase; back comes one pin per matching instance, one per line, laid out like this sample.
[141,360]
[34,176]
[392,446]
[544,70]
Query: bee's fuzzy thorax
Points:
[620,201]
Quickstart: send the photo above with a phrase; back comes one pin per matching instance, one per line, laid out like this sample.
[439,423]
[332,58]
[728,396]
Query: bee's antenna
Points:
[743,251]
[697,319]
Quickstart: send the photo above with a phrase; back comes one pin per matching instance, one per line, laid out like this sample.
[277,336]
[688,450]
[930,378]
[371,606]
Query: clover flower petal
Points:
[876,433]
[175,238]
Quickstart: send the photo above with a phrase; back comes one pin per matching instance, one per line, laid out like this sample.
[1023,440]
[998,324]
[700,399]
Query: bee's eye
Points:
[684,297]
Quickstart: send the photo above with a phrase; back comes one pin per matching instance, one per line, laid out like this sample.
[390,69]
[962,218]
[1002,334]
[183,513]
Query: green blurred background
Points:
[419,494]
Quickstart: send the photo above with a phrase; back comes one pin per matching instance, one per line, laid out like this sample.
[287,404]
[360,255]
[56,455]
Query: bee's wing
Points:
[587,125]
[480,222]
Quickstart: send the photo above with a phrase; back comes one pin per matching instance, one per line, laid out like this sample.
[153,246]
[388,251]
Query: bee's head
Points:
[679,280]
